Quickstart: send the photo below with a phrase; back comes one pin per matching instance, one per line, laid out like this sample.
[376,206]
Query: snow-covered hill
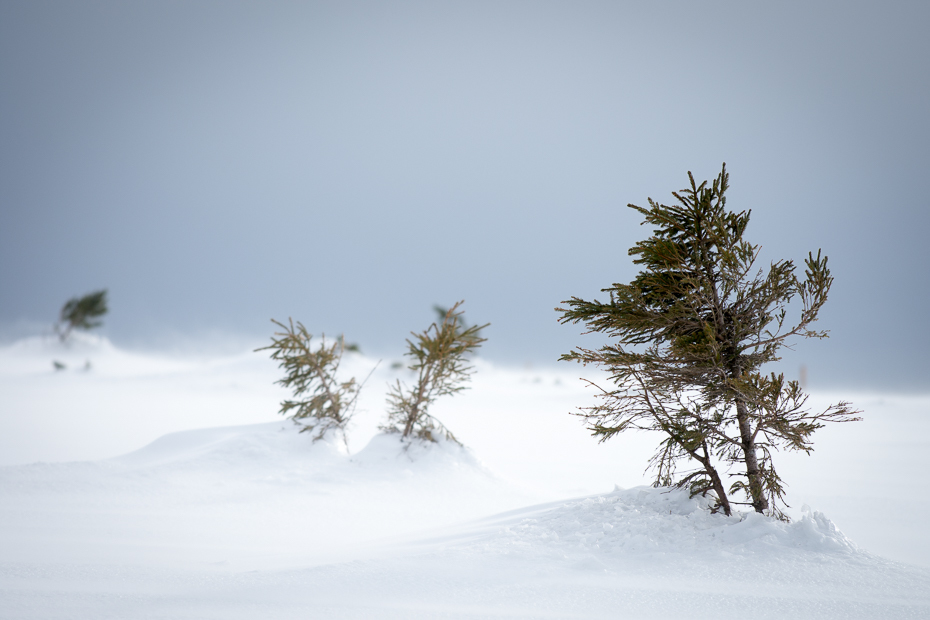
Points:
[249,519]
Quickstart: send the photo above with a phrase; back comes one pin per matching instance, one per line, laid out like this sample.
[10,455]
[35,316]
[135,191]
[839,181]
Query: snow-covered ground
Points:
[168,487]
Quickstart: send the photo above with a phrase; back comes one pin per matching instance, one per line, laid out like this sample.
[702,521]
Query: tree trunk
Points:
[748,443]
[414,413]
[411,418]
[716,482]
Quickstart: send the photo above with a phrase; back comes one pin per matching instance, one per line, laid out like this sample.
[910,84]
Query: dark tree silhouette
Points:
[80,312]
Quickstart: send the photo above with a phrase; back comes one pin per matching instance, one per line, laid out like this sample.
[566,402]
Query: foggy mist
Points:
[217,164]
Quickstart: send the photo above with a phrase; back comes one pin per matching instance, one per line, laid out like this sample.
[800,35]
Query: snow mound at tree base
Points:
[647,521]
[282,445]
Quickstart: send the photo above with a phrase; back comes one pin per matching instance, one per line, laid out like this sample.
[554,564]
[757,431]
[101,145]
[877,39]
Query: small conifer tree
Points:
[321,402]
[692,332]
[80,312]
[461,323]
[439,358]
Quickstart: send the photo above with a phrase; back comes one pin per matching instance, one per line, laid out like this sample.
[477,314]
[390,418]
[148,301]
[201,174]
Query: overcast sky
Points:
[217,164]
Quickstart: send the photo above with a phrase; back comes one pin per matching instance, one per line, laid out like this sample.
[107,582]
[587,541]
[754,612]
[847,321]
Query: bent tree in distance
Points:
[80,312]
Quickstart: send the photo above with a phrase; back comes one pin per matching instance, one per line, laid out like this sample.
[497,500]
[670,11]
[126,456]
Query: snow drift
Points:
[235,514]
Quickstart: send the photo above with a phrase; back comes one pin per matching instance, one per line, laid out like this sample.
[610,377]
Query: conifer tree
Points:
[690,335]
[461,324]
[80,312]
[439,358]
[321,402]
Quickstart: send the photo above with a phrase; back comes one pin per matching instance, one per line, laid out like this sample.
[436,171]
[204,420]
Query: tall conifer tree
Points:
[690,335]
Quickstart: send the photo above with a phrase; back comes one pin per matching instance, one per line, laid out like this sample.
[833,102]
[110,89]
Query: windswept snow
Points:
[638,553]
[205,516]
[251,497]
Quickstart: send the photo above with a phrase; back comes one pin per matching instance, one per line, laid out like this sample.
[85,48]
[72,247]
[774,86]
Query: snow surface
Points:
[162,487]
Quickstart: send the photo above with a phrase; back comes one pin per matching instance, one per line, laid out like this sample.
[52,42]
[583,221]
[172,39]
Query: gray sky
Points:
[216,164]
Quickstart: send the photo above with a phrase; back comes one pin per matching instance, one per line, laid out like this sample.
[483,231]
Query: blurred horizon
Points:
[215,165]
[225,346]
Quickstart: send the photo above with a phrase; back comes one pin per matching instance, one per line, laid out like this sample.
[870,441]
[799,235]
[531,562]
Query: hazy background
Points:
[216,164]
